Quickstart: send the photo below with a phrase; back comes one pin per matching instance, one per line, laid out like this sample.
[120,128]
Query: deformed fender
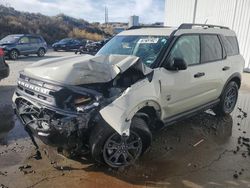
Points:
[119,113]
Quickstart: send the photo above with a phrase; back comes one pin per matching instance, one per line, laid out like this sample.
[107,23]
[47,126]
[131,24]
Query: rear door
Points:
[213,59]
[35,43]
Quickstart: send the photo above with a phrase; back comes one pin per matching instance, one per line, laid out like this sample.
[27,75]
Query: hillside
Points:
[52,28]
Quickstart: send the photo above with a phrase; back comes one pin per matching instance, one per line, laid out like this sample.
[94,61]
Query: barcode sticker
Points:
[148,41]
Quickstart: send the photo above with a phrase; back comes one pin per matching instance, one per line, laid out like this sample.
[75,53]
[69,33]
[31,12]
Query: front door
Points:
[183,90]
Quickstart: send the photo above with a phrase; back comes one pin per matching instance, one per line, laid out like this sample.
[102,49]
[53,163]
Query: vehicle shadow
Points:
[9,125]
[173,152]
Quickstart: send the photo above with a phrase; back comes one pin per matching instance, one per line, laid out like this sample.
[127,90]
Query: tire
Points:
[228,99]
[122,147]
[41,52]
[13,54]
[55,49]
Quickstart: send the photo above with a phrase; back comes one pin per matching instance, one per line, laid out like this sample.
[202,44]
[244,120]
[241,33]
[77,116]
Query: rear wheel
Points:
[13,54]
[118,151]
[41,52]
[228,99]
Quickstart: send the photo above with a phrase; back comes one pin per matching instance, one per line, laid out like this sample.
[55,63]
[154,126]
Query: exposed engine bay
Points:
[62,113]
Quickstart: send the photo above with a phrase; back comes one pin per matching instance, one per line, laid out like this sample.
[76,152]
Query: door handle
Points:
[199,74]
[225,68]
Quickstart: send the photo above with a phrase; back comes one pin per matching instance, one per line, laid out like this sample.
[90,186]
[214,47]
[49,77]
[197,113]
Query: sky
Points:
[149,11]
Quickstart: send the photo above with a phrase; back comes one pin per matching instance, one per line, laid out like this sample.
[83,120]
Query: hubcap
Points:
[14,54]
[122,150]
[41,53]
[230,99]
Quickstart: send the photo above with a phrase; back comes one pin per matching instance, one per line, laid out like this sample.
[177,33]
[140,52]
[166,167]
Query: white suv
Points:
[141,80]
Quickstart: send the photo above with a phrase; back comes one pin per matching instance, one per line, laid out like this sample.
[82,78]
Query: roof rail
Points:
[190,26]
[150,26]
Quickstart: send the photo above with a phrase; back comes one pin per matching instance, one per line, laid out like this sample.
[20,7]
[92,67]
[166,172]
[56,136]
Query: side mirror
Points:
[179,64]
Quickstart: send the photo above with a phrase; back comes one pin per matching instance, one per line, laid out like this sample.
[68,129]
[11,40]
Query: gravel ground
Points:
[221,159]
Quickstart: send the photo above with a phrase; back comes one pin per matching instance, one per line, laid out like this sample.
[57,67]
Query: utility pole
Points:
[195,10]
[106,16]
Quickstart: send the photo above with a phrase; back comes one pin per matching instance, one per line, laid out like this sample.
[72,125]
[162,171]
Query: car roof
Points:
[161,31]
[167,31]
[26,35]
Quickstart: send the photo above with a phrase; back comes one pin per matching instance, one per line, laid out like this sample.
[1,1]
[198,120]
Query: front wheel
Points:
[119,151]
[228,99]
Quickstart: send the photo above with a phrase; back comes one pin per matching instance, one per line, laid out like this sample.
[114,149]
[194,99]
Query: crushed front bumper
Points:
[52,127]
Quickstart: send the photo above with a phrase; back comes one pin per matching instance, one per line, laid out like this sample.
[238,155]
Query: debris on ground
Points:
[3,173]
[236,176]
[3,186]
[26,169]
[199,142]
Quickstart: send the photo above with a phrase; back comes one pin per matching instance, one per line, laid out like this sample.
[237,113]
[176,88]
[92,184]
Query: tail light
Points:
[1,52]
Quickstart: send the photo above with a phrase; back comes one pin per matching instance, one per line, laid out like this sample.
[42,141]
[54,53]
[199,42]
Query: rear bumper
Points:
[59,130]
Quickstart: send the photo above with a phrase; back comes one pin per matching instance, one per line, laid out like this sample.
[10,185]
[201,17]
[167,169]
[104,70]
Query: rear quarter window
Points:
[35,40]
[231,45]
[211,49]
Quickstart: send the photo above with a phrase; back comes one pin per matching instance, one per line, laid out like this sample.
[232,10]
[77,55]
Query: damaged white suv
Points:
[141,80]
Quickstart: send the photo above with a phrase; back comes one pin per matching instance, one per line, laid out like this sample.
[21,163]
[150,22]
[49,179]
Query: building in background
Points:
[133,21]
[232,13]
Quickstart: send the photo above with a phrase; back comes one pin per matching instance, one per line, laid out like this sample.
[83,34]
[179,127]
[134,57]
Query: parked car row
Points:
[79,45]
[26,44]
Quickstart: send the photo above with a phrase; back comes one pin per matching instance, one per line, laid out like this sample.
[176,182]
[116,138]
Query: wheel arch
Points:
[41,48]
[19,53]
[234,77]
[122,121]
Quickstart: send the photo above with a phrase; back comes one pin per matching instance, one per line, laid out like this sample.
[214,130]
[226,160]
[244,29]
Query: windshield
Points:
[10,39]
[145,47]
[65,40]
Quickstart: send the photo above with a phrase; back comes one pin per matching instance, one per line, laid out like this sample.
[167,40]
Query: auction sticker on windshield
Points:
[148,40]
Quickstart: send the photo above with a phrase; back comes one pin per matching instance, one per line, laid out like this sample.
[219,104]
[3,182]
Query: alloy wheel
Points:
[230,99]
[122,150]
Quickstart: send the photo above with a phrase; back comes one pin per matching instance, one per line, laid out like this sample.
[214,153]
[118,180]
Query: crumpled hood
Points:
[78,69]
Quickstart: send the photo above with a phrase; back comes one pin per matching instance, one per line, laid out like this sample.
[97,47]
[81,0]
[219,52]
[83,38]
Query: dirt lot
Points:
[221,159]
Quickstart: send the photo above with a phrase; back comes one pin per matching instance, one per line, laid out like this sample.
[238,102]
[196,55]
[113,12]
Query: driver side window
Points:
[187,48]
[24,40]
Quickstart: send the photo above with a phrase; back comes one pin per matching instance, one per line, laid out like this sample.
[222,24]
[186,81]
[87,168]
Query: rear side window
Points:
[231,45]
[211,49]
[187,48]
[35,40]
